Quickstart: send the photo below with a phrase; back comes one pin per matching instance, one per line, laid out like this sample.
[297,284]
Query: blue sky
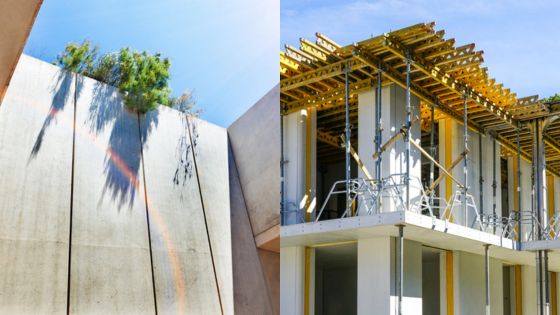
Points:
[225,51]
[520,39]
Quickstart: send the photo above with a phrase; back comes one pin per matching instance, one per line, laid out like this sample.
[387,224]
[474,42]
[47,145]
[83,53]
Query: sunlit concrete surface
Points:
[255,145]
[183,272]
[210,143]
[107,211]
[109,214]
[35,165]
[250,287]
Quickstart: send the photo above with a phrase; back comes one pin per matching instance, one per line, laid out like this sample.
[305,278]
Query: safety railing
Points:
[387,195]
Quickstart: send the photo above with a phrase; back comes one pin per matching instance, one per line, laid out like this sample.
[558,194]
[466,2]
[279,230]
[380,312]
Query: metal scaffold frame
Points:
[449,83]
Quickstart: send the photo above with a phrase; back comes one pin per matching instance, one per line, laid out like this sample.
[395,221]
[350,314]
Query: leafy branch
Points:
[142,77]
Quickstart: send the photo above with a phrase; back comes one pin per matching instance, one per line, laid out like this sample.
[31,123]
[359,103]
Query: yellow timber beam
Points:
[322,100]
[448,81]
[319,74]
[396,77]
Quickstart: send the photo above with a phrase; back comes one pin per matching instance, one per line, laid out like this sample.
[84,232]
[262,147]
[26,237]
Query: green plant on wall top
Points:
[143,78]
[553,98]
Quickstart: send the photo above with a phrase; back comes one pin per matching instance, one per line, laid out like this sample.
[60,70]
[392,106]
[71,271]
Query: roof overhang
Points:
[17,18]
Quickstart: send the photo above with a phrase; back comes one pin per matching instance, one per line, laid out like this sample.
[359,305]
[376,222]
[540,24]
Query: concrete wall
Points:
[469,284]
[250,288]
[474,168]
[393,108]
[255,147]
[255,142]
[377,276]
[36,119]
[111,212]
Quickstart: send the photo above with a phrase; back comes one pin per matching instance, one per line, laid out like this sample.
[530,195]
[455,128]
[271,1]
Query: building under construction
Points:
[413,183]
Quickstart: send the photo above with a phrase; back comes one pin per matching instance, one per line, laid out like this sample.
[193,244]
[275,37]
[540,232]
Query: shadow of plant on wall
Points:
[184,151]
[187,110]
[123,155]
[61,90]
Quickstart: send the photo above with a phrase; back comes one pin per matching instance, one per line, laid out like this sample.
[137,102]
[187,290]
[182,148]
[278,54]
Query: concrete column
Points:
[366,134]
[529,292]
[393,113]
[526,190]
[376,275]
[487,174]
[292,269]
[469,282]
[295,150]
[450,148]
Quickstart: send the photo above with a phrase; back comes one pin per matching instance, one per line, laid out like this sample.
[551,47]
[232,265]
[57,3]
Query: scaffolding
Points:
[450,83]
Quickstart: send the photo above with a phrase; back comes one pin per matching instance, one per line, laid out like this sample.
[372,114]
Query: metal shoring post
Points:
[378,134]
[432,151]
[347,145]
[518,188]
[540,293]
[487,277]
[400,269]
[408,124]
[480,177]
[494,183]
[282,192]
[543,211]
[465,163]
[537,186]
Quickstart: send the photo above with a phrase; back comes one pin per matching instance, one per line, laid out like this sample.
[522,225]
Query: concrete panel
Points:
[376,276]
[292,269]
[470,294]
[529,289]
[255,140]
[35,125]
[393,111]
[182,263]
[270,262]
[250,287]
[109,213]
[17,18]
[211,156]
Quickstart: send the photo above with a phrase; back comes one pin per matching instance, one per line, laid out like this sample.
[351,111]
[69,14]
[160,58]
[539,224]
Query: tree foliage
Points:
[142,77]
[553,98]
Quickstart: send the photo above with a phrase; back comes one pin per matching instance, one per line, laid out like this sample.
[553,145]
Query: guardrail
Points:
[387,195]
